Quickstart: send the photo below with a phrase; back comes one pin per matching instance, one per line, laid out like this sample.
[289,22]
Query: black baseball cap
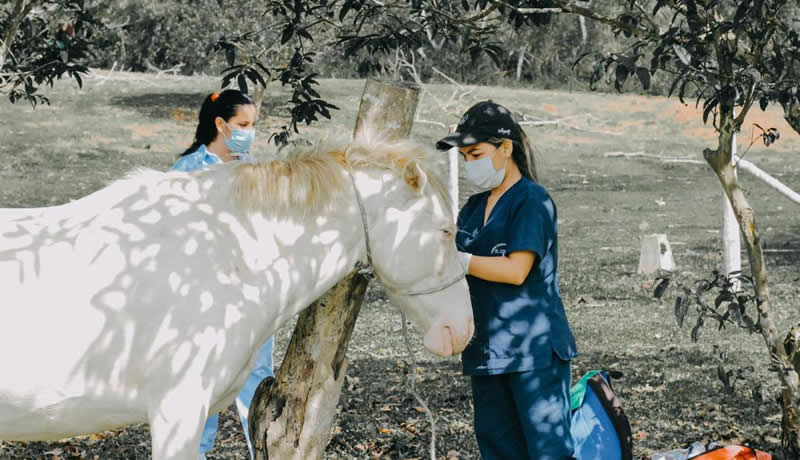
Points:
[482,121]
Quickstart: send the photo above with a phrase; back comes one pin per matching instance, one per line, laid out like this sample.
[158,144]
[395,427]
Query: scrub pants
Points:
[261,370]
[524,413]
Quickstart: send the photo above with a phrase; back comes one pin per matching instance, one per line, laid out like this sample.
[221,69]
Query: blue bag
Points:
[600,430]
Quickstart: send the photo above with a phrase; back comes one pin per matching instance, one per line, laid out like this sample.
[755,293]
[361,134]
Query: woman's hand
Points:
[465,258]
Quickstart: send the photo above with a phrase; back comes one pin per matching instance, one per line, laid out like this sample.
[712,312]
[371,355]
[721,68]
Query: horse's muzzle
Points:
[446,339]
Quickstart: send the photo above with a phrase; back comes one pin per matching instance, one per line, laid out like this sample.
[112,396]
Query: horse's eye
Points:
[447,232]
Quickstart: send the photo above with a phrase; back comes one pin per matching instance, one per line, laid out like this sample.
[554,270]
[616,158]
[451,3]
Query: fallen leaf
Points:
[640,435]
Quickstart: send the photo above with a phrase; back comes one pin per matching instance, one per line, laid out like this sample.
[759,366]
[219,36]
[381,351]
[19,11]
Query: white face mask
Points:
[482,174]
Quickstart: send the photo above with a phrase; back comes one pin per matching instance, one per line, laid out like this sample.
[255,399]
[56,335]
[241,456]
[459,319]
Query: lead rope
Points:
[413,391]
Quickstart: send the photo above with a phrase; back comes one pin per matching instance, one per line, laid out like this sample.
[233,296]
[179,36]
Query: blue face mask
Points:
[482,174]
[241,139]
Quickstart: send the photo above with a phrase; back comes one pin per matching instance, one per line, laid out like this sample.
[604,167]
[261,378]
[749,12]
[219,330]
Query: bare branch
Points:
[21,10]
[654,28]
[567,6]
[748,102]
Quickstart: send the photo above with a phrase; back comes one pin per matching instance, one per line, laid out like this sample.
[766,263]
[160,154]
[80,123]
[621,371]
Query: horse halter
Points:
[368,268]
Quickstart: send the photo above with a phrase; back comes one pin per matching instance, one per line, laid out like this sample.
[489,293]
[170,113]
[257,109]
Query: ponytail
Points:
[224,105]
[525,158]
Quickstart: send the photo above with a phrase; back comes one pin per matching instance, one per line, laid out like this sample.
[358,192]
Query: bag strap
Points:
[578,391]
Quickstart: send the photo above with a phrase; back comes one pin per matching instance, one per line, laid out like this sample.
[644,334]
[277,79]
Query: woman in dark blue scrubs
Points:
[519,358]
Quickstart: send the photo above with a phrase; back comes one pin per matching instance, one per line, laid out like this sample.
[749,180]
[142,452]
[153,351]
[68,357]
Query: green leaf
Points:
[622,73]
[709,106]
[741,12]
[674,85]
[644,76]
[287,33]
[695,335]
[662,286]
[754,75]
[681,309]
[682,54]
[242,83]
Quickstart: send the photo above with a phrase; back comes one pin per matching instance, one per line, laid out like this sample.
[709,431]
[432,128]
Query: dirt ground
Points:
[669,386]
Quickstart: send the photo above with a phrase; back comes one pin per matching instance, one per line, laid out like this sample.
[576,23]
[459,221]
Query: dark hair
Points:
[224,105]
[522,155]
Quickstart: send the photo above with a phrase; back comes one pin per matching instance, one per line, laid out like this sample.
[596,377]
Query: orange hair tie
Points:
[214,97]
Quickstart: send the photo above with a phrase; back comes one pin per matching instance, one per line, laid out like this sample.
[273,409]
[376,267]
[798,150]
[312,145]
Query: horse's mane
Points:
[311,176]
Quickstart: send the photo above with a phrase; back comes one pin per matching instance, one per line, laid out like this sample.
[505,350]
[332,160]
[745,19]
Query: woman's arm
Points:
[511,269]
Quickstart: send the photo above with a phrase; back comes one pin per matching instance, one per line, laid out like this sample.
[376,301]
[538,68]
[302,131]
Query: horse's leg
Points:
[176,425]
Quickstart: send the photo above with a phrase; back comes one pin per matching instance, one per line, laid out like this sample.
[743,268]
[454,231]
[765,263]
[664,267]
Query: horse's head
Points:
[412,238]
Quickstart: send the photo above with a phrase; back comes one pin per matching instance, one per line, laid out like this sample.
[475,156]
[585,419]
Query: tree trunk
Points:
[521,60]
[21,9]
[720,161]
[731,241]
[291,416]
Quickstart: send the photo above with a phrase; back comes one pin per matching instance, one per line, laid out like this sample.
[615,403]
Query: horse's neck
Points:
[315,250]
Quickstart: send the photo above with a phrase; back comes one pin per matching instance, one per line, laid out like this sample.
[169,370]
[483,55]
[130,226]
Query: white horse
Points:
[147,300]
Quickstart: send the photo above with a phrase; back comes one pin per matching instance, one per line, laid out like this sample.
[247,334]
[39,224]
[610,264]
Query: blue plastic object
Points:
[593,431]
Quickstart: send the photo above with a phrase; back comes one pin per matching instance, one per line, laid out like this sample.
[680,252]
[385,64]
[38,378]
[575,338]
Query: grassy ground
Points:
[669,389]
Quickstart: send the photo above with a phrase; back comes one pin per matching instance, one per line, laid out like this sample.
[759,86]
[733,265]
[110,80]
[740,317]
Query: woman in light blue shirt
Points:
[224,133]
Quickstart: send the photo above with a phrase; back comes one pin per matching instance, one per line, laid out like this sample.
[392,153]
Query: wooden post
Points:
[452,177]
[291,415]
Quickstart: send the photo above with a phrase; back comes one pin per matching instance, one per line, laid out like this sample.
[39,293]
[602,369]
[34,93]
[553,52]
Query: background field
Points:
[669,389]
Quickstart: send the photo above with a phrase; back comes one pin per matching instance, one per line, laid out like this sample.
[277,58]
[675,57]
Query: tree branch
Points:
[21,10]
[748,102]
[567,6]
[654,28]
[468,20]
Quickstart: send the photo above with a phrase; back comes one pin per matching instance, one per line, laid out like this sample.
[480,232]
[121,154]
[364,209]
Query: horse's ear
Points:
[415,177]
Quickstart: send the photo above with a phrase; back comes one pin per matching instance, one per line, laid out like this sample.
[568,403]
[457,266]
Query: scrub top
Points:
[517,328]
[201,158]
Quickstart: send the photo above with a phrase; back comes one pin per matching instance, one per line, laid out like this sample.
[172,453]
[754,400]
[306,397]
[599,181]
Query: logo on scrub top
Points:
[499,249]
[505,131]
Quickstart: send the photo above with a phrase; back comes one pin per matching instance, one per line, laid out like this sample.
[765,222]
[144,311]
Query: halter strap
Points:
[368,268]
[363,268]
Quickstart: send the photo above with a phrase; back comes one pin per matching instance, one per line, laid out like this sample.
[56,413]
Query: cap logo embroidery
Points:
[506,131]
[463,120]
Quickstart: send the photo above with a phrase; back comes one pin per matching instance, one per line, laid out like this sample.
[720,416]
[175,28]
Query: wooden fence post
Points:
[291,416]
